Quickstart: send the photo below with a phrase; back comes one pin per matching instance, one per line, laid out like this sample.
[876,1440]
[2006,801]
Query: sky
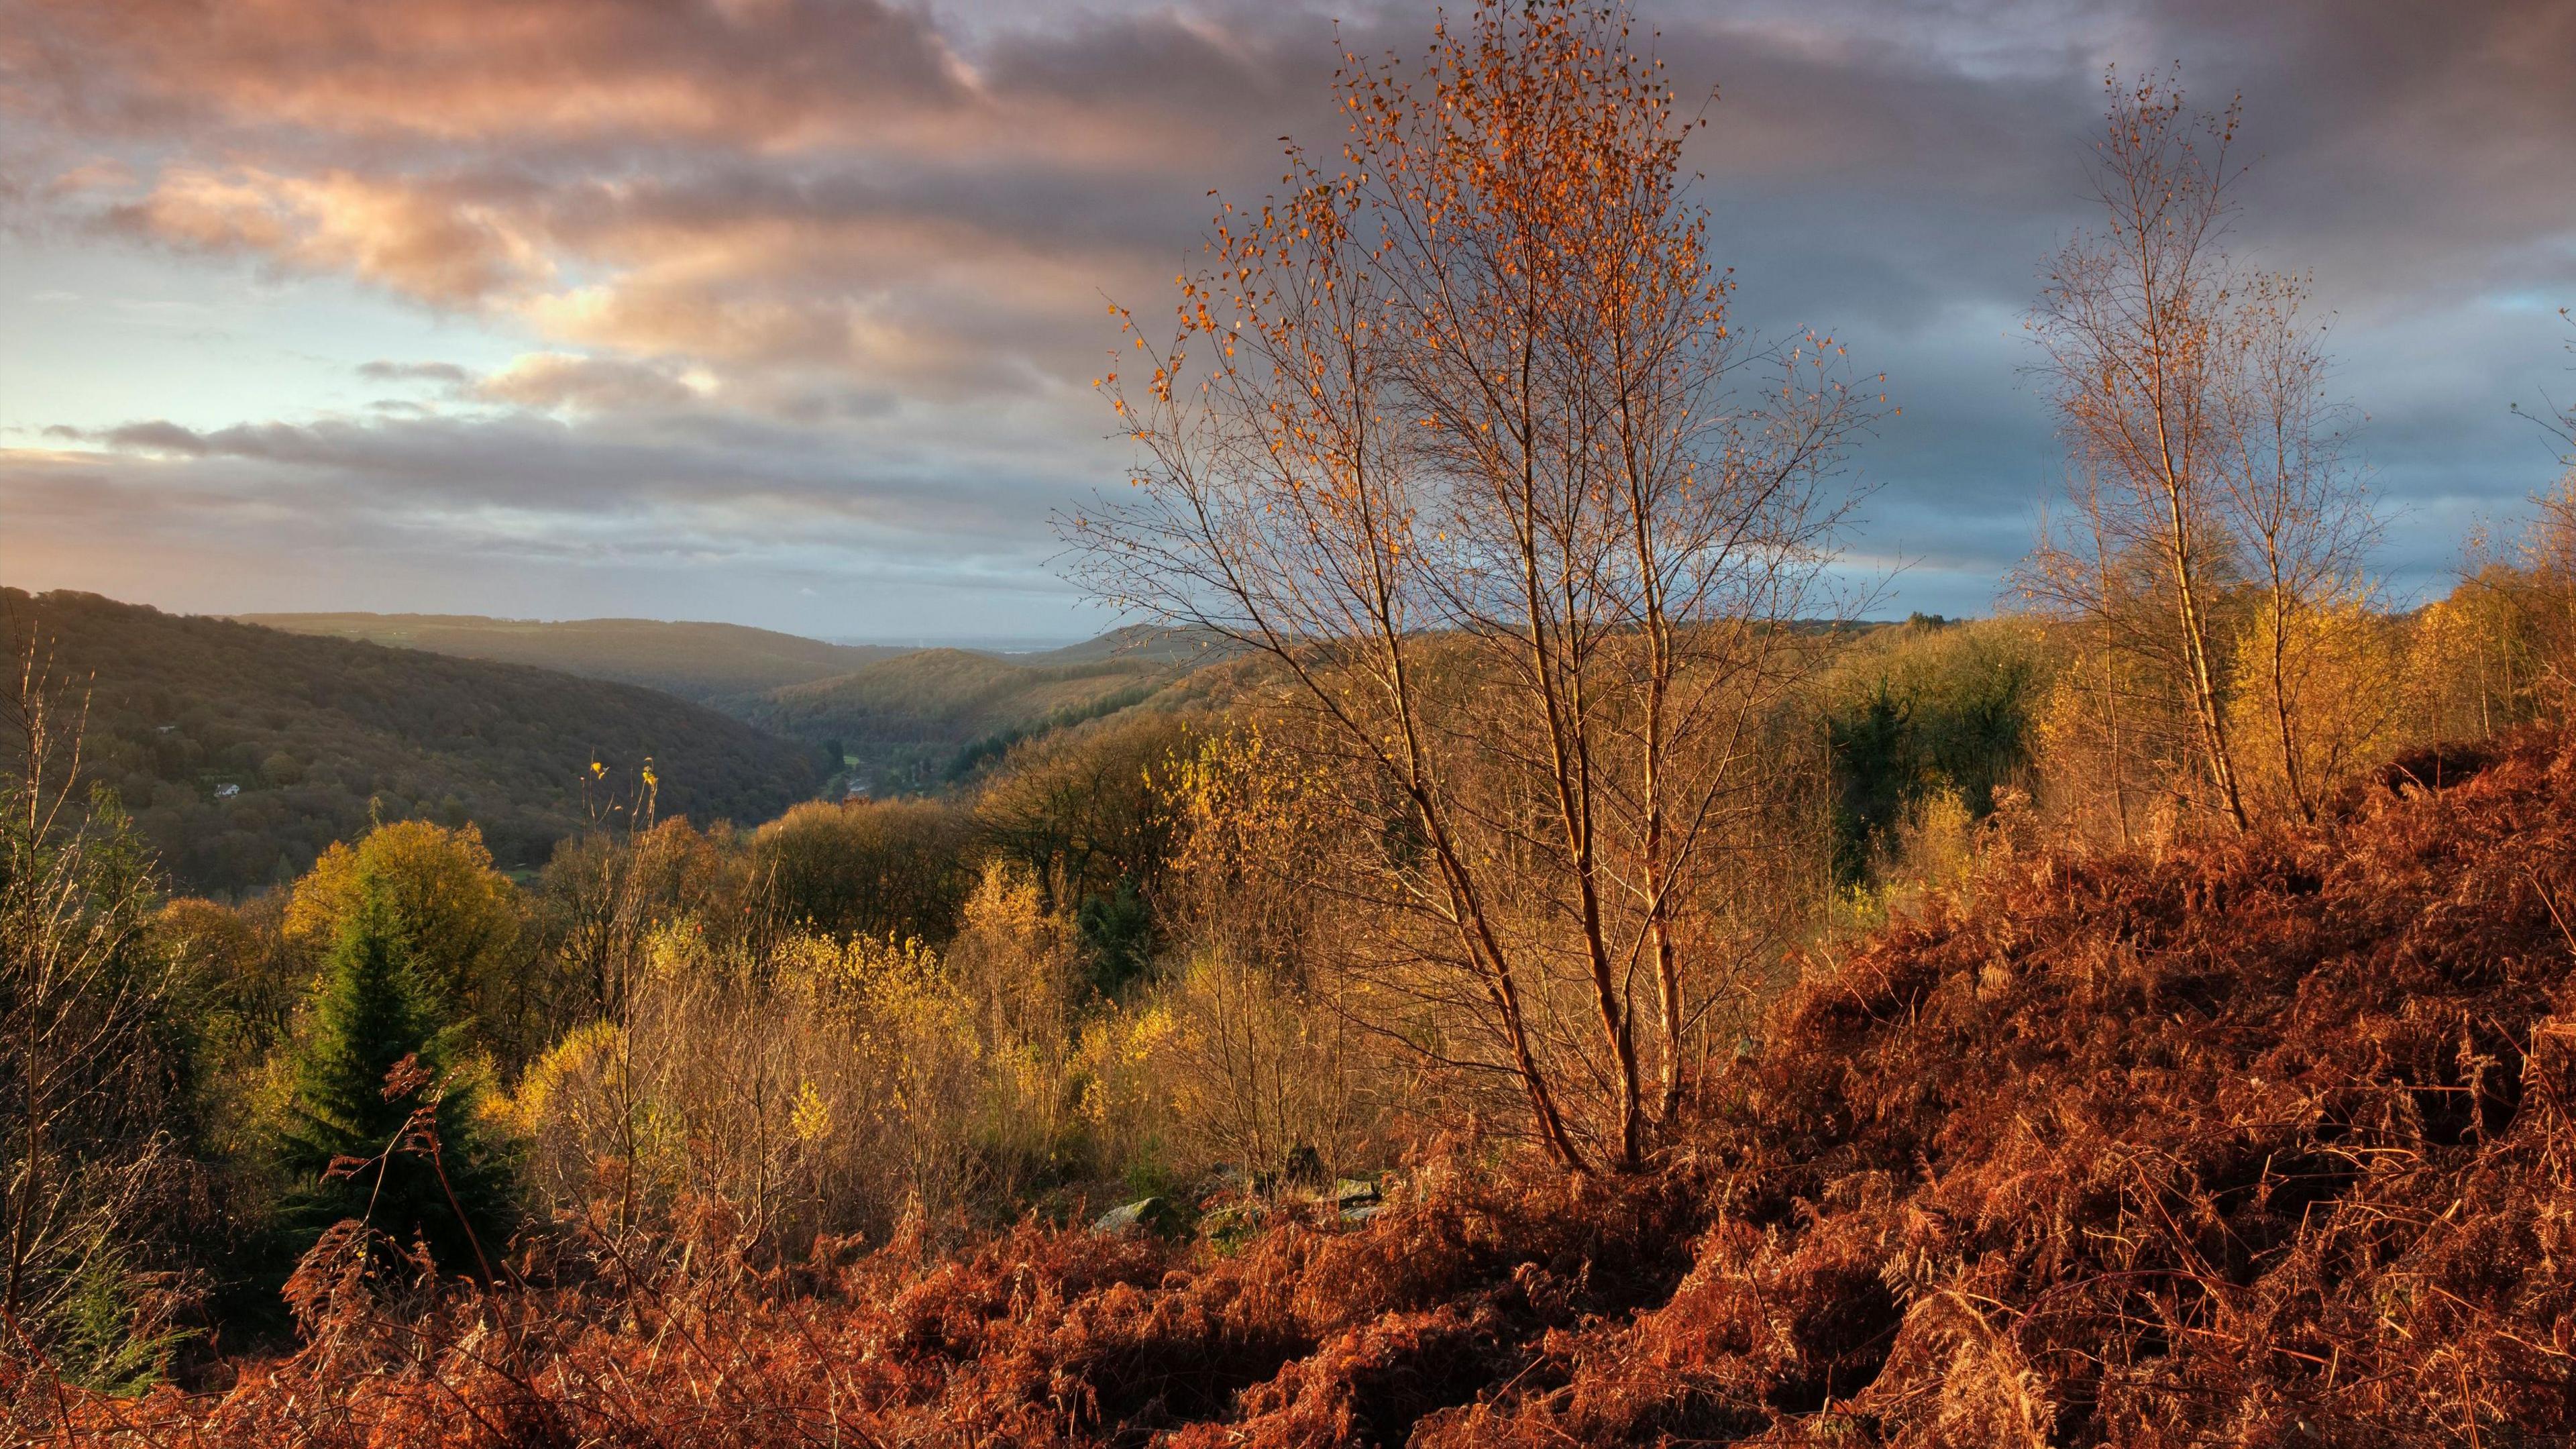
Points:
[785,312]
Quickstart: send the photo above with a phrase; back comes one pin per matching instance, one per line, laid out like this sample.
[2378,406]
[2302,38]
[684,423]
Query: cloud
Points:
[568,461]
[217,535]
[440,372]
[103,174]
[801,254]
[425,242]
[146,437]
[762,183]
[587,384]
[761,72]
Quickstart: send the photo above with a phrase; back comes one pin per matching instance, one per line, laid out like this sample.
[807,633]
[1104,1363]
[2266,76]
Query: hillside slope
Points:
[1140,644]
[2271,1142]
[312,734]
[716,664]
[905,719]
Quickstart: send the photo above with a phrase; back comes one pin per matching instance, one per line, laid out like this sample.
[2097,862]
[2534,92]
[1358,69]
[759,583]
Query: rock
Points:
[1145,1214]
[1352,1192]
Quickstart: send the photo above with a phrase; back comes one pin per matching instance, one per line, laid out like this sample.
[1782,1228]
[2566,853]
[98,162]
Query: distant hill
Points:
[244,750]
[1138,644]
[907,719]
[723,665]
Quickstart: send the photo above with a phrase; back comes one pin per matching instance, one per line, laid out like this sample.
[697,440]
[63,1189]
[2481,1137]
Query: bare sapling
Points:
[2294,505]
[2133,320]
[1458,434]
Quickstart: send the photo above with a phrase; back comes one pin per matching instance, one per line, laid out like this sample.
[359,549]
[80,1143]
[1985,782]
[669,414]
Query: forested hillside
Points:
[1139,644]
[912,721]
[243,751]
[723,665]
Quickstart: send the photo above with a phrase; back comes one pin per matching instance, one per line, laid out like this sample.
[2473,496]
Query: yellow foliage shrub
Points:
[2342,699]
[461,915]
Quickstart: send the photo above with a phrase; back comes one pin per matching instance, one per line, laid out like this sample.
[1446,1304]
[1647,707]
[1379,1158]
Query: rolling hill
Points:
[903,721]
[1138,644]
[722,665]
[244,750]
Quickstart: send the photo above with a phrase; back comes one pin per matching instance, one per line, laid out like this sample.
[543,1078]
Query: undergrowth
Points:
[2265,1143]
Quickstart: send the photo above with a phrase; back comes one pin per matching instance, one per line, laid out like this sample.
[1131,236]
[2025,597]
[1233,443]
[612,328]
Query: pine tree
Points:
[1118,929]
[370,1011]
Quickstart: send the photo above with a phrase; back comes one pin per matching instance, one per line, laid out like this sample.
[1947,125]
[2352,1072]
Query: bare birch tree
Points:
[1456,434]
[2134,323]
[2293,503]
[2194,398]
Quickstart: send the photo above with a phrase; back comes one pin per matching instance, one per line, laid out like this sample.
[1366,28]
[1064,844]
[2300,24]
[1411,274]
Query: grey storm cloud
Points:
[147,437]
[796,259]
[439,372]
[708,466]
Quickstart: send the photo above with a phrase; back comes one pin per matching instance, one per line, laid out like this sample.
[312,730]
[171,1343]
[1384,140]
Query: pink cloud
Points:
[588,384]
[761,186]
[411,239]
[466,69]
